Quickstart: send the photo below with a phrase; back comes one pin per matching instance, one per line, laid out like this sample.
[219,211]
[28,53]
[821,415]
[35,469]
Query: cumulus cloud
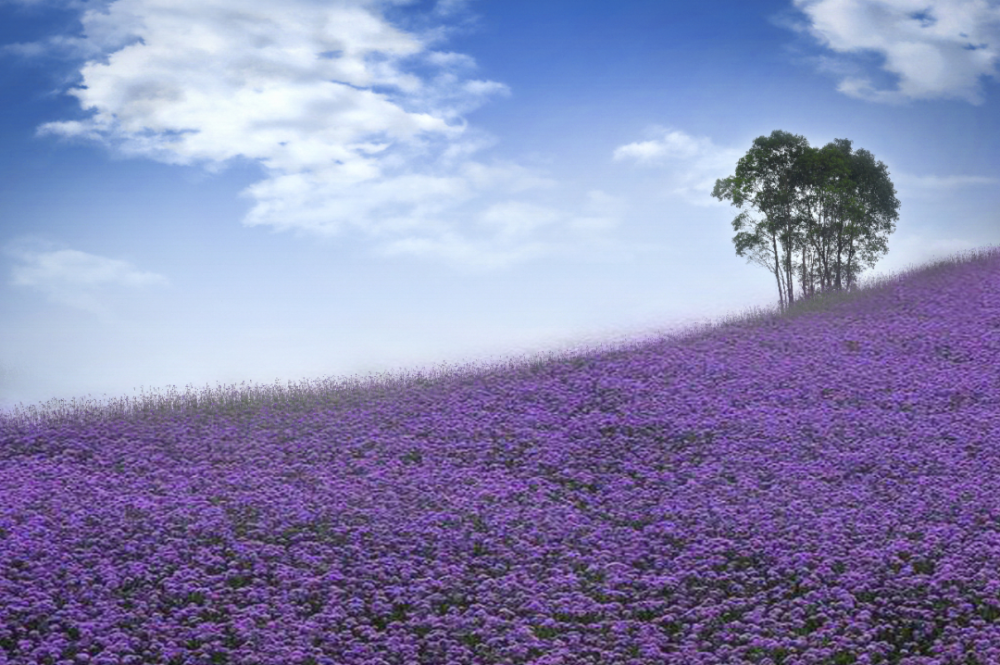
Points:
[691,164]
[936,48]
[356,123]
[72,277]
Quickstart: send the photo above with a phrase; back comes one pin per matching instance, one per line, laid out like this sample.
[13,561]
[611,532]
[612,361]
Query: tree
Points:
[824,188]
[874,213]
[764,181]
[830,205]
[854,203]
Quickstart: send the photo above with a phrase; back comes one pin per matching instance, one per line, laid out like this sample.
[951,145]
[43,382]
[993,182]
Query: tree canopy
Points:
[831,208]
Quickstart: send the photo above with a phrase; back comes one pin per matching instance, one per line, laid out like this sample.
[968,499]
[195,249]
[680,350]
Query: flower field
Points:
[820,487]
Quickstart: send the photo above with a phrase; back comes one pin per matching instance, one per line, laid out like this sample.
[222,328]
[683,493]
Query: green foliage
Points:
[832,205]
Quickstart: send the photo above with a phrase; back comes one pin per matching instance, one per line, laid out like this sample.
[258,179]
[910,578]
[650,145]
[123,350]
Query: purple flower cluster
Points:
[823,489]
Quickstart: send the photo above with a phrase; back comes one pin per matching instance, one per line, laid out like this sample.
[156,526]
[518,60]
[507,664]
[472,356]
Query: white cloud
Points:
[73,277]
[673,145]
[450,59]
[321,95]
[691,164]
[936,48]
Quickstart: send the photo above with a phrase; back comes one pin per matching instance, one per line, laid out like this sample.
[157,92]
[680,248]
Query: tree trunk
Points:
[840,245]
[850,259]
[820,246]
[807,288]
[777,272]
[789,277]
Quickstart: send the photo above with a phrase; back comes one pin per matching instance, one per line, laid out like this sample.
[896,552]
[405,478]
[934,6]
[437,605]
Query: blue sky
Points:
[204,192]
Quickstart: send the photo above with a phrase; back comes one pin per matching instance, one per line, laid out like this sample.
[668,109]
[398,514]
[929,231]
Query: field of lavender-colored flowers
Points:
[815,487]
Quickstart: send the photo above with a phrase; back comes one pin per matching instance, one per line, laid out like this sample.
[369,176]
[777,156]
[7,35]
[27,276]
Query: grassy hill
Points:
[817,486]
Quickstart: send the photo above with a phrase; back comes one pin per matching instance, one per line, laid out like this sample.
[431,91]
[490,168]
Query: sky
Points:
[200,193]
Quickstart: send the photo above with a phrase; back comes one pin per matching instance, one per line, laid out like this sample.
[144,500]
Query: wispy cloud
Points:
[936,48]
[932,185]
[357,124]
[512,231]
[691,165]
[449,7]
[72,277]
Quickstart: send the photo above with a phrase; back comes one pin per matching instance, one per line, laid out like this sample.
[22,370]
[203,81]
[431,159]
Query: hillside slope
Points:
[822,488]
